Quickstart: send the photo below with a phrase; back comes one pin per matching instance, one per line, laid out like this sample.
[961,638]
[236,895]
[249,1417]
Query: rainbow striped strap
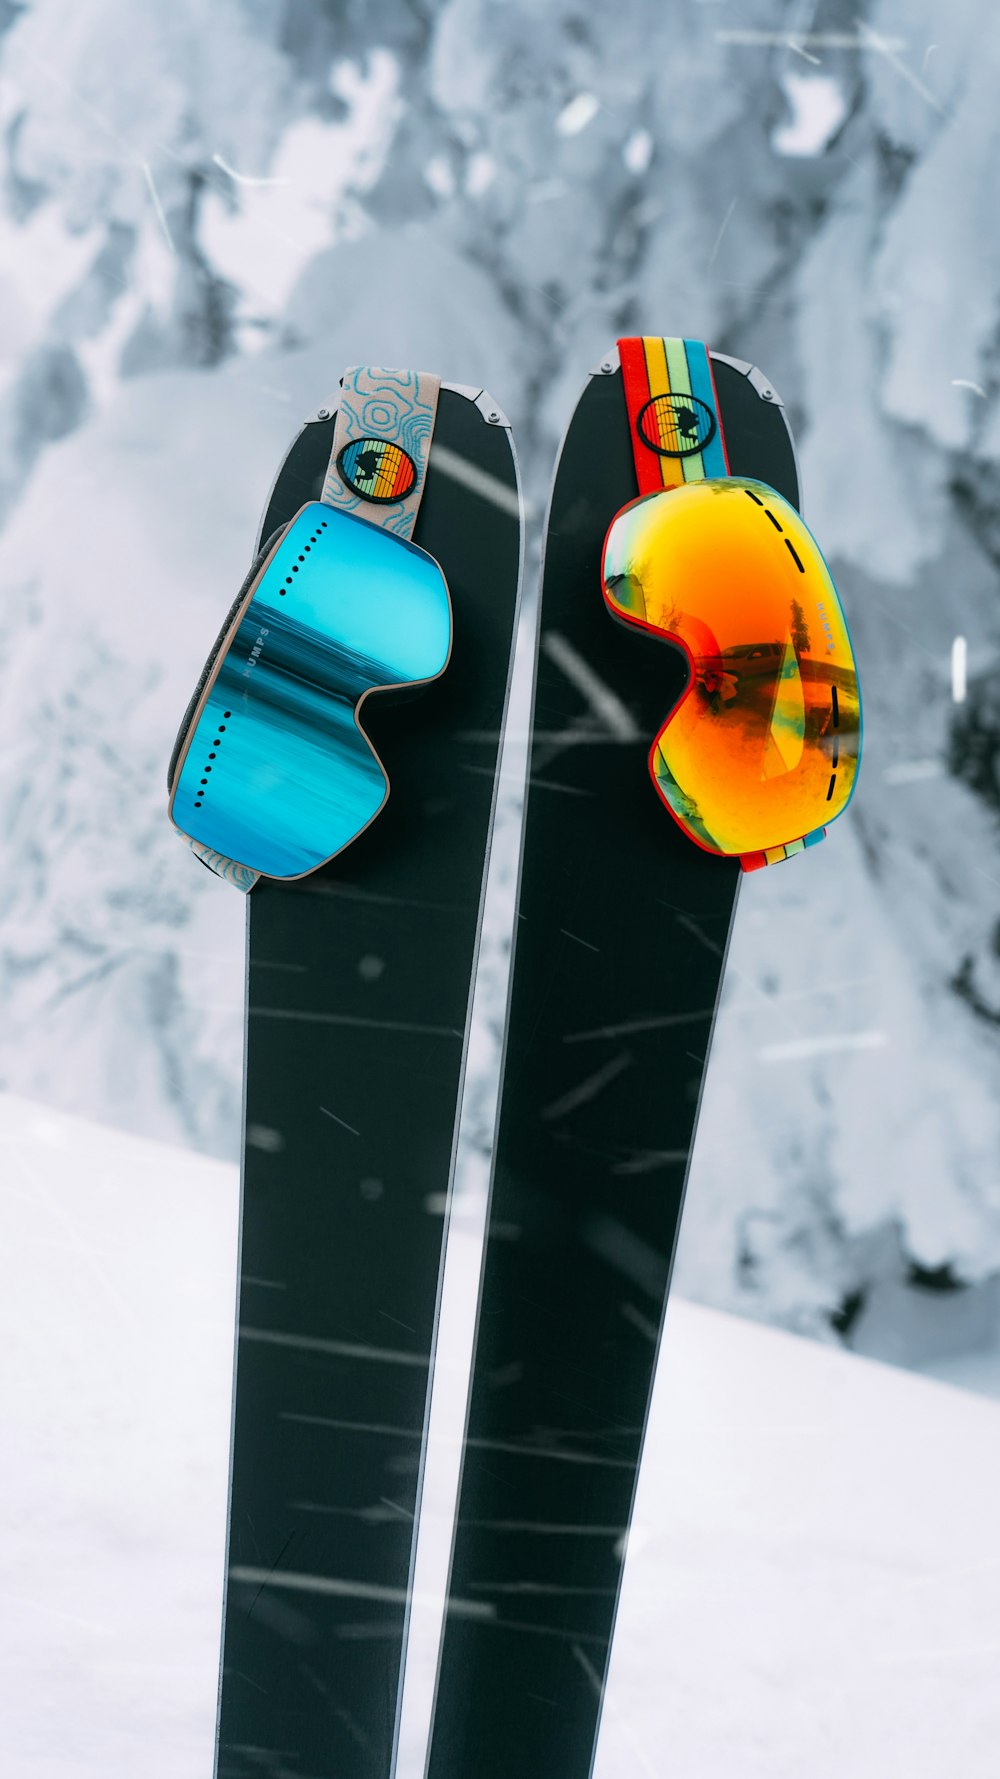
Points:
[673,411]
[755,861]
[381,442]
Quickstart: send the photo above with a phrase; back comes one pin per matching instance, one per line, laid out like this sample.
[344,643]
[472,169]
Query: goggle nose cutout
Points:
[762,749]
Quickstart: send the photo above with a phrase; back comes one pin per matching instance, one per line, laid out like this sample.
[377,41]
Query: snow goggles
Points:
[272,772]
[762,749]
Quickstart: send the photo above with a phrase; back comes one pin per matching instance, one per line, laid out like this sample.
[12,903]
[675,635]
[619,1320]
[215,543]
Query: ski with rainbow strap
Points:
[620,944]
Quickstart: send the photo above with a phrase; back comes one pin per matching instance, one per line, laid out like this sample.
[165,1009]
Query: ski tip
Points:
[491,410]
[609,363]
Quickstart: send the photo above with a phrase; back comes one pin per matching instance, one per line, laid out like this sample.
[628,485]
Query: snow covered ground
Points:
[813,1584]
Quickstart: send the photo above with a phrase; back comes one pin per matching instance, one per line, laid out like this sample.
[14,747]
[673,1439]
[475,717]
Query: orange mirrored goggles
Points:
[761,751]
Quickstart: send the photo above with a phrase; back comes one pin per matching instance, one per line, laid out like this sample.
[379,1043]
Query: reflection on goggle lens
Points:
[763,747]
[278,774]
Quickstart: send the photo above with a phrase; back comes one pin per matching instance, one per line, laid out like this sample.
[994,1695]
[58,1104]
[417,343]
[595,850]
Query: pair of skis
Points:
[360,981]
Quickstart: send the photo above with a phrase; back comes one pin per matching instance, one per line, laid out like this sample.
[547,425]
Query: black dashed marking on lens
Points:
[836,750]
[791,547]
[211,756]
[833,780]
[222,728]
[836,707]
[772,518]
[753,497]
[204,781]
[227,713]
[294,569]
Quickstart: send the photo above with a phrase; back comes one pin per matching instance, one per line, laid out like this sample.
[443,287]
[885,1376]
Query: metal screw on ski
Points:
[363,932]
[750,727]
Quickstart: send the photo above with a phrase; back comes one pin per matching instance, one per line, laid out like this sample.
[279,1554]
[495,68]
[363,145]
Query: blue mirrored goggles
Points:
[274,769]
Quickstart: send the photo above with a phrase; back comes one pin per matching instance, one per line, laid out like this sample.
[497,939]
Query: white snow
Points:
[116,1326]
[266,228]
[817,108]
[638,152]
[814,1583]
[819,1589]
[579,112]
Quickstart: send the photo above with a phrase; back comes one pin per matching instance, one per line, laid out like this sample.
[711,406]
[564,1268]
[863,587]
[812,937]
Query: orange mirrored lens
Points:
[763,747]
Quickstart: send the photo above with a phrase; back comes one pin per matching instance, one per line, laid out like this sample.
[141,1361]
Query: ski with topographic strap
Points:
[620,943]
[360,980]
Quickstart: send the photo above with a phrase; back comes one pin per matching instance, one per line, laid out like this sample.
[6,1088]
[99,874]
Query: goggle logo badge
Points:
[377,470]
[676,425]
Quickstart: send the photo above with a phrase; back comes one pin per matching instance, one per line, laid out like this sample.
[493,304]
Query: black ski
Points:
[621,938]
[359,993]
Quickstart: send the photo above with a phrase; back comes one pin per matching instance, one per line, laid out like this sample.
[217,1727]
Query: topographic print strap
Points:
[240,876]
[674,412]
[382,439]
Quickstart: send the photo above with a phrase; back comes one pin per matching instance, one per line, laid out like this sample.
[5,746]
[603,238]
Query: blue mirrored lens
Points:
[276,773]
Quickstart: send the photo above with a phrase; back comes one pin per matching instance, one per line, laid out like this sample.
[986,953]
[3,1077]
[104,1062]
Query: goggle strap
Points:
[755,861]
[240,876]
[674,418]
[388,417]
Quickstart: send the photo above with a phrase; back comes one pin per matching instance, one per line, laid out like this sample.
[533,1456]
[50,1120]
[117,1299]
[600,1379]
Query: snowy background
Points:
[207,210]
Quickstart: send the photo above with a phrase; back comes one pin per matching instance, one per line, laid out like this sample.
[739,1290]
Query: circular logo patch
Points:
[377,470]
[676,425]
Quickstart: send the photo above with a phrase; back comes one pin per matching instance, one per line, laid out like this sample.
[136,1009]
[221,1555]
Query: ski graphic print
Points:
[359,993]
[621,937]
